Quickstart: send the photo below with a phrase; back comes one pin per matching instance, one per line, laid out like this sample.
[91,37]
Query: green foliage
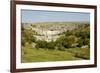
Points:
[23,41]
[66,41]
[80,36]
[27,36]
[51,45]
[80,42]
[41,44]
[68,33]
[59,47]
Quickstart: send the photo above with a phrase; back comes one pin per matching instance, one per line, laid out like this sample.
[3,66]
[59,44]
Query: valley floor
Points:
[45,55]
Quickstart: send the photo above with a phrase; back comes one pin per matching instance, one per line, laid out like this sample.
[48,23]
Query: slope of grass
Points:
[42,55]
[83,53]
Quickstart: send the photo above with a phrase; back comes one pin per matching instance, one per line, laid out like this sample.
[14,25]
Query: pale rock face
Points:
[85,46]
[50,32]
[48,35]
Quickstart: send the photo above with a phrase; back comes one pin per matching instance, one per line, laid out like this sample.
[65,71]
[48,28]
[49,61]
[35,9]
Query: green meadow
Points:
[41,55]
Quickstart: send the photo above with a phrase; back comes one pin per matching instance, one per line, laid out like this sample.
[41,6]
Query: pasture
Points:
[42,55]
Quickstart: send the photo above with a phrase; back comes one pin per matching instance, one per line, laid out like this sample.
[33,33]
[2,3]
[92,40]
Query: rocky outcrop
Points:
[51,30]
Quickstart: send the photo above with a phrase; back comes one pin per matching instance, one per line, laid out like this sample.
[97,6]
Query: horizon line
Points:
[56,21]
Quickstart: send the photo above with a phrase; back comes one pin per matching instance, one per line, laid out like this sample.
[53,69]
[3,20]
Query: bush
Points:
[23,41]
[66,41]
[68,32]
[41,44]
[59,47]
[51,45]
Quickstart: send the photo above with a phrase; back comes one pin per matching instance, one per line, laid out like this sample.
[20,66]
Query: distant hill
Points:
[51,30]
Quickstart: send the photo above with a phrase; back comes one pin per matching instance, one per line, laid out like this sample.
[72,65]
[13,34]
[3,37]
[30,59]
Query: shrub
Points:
[51,45]
[59,47]
[23,41]
[41,44]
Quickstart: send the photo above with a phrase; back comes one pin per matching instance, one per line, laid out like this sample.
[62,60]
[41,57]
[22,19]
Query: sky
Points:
[32,16]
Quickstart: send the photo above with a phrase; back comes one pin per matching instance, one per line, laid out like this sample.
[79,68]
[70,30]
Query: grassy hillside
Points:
[42,55]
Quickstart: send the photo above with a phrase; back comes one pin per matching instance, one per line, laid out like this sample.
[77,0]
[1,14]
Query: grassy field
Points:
[42,55]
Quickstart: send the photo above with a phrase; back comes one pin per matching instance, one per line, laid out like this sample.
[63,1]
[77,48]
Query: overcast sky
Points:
[30,16]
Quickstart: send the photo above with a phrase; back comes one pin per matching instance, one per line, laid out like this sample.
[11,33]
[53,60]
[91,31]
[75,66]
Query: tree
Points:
[66,41]
[59,47]
[68,32]
[27,36]
[41,44]
[51,45]
[23,41]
